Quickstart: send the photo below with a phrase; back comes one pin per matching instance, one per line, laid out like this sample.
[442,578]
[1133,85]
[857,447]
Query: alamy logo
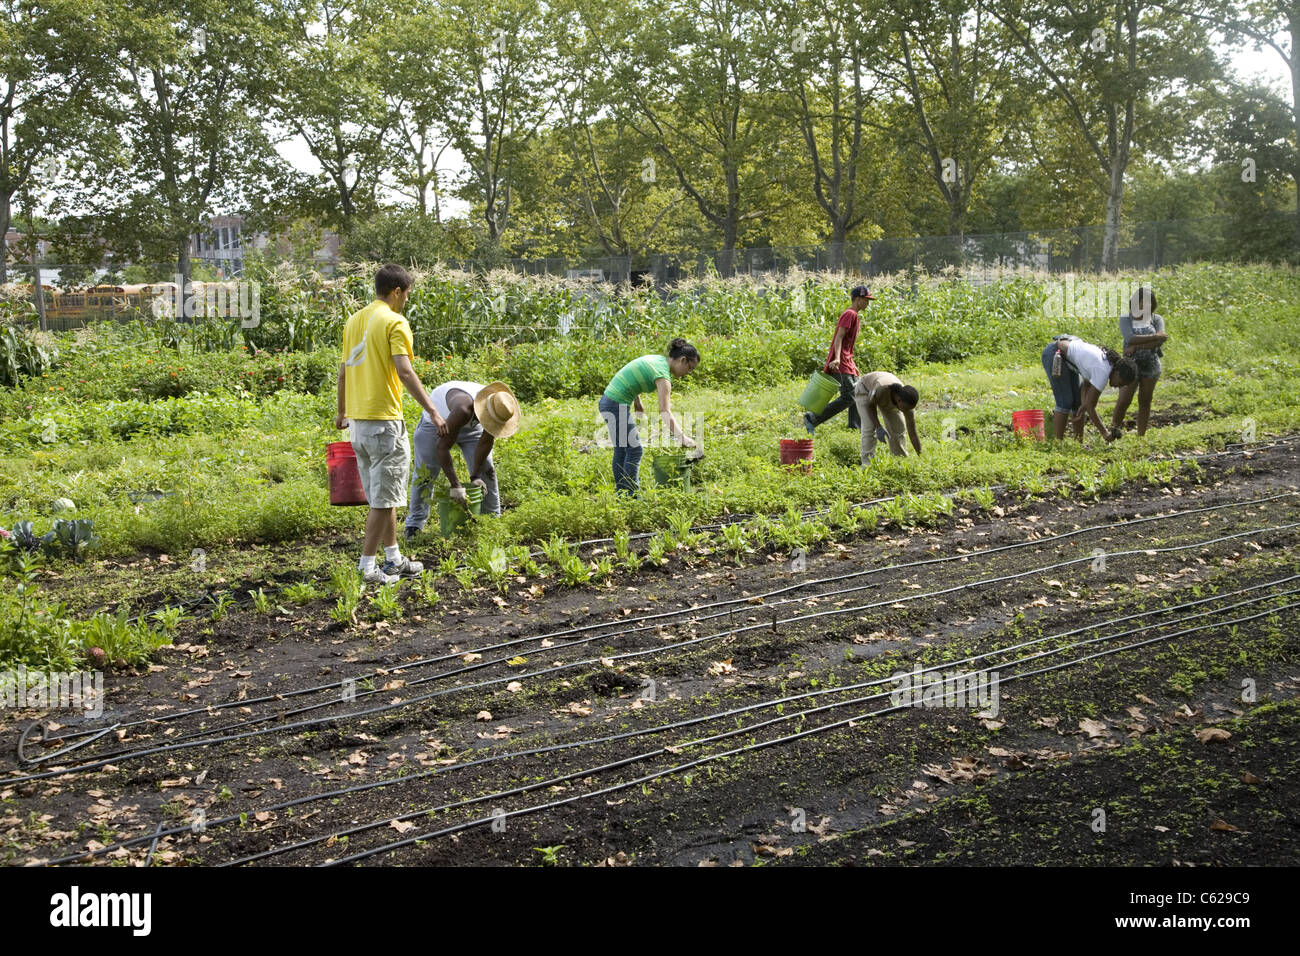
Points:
[240,299]
[53,690]
[75,909]
[1088,298]
[947,689]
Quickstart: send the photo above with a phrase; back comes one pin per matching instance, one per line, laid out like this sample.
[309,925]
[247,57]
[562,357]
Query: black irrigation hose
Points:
[622,623]
[627,655]
[706,718]
[298,725]
[764,705]
[198,739]
[762,745]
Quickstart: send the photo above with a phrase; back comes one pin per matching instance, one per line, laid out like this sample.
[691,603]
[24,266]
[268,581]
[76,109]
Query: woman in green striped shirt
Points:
[623,393]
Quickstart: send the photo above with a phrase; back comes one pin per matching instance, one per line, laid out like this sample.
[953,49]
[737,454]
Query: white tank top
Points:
[439,395]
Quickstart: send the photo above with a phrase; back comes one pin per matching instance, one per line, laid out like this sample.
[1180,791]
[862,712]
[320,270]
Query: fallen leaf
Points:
[1093,728]
[1212,735]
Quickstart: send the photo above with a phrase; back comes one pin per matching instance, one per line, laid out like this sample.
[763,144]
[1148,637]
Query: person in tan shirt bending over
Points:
[879,397]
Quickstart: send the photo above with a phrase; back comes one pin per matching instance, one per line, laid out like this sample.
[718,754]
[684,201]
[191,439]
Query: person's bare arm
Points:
[871,412]
[459,410]
[665,388]
[485,445]
[405,372]
[1152,341]
[911,431]
[1090,396]
[340,419]
[836,342]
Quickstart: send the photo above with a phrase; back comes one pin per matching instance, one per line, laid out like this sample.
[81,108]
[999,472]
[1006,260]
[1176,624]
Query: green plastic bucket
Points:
[672,469]
[452,516]
[821,389]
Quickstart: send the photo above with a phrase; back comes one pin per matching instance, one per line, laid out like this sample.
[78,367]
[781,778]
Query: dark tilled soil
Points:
[449,742]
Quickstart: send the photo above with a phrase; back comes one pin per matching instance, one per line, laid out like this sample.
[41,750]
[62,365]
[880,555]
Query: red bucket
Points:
[345,480]
[795,451]
[1028,423]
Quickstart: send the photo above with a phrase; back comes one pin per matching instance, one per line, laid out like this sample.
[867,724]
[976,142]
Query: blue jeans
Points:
[627,444]
[426,445]
[843,401]
[1065,387]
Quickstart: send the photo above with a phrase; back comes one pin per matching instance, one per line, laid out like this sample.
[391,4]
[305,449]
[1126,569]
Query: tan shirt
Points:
[875,386]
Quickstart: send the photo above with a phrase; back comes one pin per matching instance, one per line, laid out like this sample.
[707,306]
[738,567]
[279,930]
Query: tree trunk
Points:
[839,232]
[957,225]
[183,265]
[5,216]
[1114,206]
[1295,111]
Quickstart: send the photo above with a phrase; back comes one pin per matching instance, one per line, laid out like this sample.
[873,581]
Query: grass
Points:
[171,451]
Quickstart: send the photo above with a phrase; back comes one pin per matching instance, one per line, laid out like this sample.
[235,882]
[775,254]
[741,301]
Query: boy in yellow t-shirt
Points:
[377,352]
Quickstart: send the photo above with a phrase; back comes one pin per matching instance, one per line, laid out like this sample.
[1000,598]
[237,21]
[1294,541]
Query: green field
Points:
[175,439]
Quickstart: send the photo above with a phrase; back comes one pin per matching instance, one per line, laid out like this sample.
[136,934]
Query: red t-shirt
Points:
[849,323]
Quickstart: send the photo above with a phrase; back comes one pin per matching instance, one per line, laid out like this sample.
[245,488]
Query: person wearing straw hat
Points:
[476,415]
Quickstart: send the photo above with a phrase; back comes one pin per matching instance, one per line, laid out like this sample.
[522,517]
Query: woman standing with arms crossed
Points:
[1144,334]
[623,394]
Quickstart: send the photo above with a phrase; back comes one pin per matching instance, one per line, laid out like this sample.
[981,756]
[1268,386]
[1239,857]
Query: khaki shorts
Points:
[384,461]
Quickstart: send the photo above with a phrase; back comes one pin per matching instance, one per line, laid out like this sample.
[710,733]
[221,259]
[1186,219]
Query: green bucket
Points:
[821,389]
[672,469]
[452,516]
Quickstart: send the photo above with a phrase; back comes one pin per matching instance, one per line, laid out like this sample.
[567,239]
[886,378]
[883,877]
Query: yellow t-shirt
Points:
[371,389]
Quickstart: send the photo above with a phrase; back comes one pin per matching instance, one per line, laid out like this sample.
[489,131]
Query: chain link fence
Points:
[978,258]
[77,294]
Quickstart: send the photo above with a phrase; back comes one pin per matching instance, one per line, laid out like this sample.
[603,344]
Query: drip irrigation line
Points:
[759,745]
[627,655]
[766,705]
[623,622]
[721,715]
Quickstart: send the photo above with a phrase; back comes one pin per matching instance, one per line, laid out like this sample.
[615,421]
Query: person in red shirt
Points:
[839,363]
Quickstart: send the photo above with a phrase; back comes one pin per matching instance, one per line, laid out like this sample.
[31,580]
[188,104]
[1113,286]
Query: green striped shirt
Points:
[635,377]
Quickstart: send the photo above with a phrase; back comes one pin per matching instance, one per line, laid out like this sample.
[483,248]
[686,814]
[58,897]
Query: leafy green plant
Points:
[303,592]
[550,854]
[385,605]
[424,587]
[261,603]
[221,605]
[169,618]
[575,571]
[344,610]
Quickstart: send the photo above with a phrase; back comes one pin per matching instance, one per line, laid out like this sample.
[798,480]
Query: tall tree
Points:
[822,69]
[326,92]
[496,54]
[1113,65]
[55,60]
[1267,24]
[953,67]
[190,78]
[694,81]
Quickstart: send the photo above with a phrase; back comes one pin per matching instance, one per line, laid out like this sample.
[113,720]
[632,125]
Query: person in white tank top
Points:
[476,415]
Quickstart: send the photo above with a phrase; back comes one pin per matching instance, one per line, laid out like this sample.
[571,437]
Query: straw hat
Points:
[497,410]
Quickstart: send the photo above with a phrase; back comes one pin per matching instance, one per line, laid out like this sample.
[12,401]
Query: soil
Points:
[450,740]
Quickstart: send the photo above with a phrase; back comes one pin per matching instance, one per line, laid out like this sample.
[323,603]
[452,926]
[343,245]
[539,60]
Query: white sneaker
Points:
[403,566]
[377,575]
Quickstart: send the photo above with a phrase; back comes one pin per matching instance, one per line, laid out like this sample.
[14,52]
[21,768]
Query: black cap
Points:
[860,292]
